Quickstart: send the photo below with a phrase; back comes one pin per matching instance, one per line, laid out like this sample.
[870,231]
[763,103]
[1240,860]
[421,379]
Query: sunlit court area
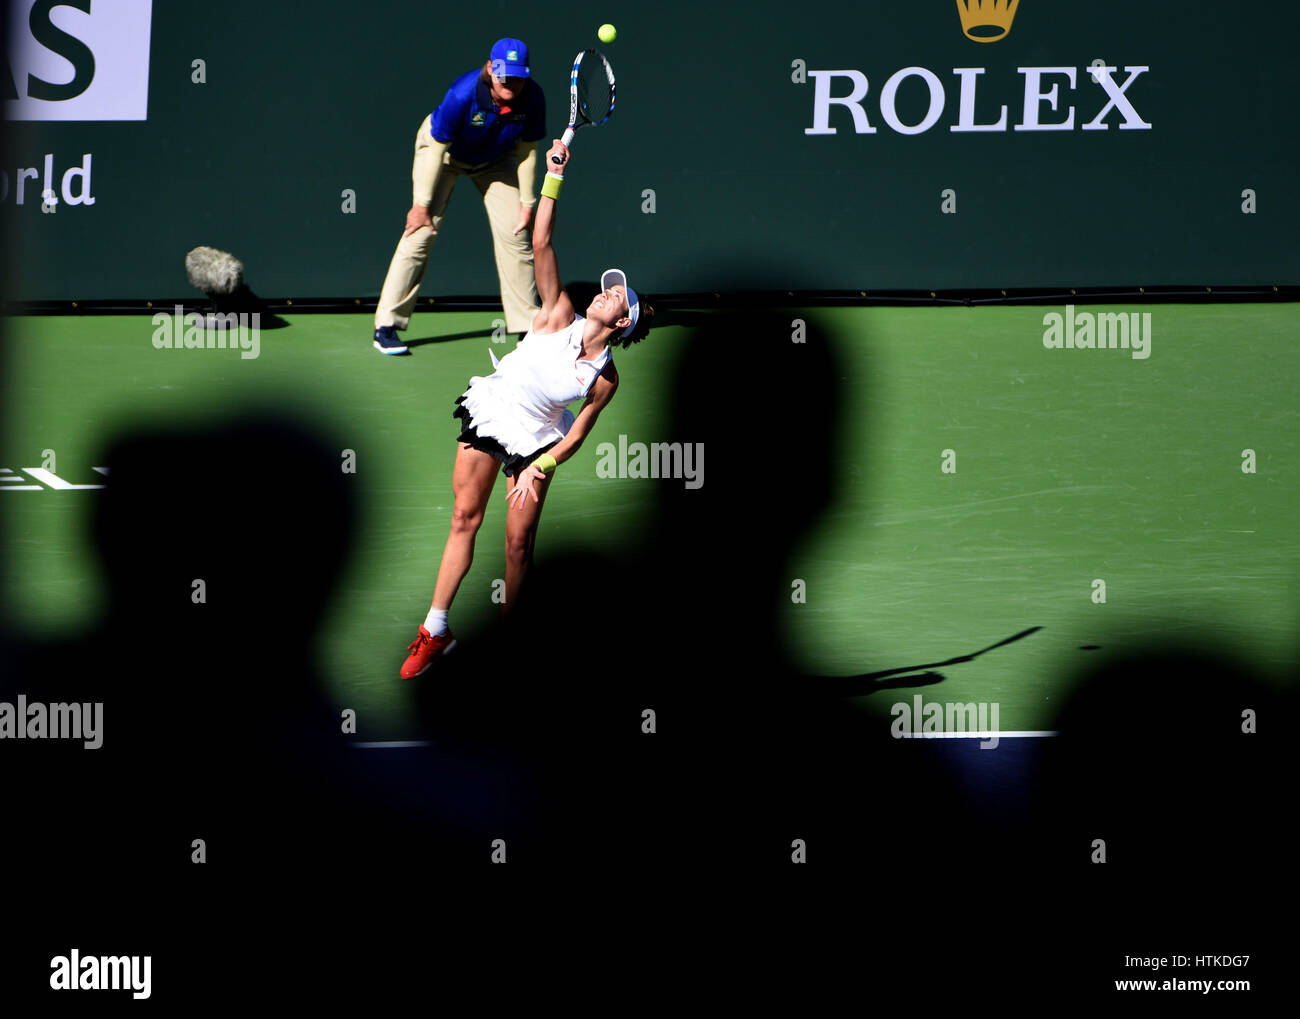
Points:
[986,485]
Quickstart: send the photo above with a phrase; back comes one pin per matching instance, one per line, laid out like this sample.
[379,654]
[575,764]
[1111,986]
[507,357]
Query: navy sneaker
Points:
[386,341]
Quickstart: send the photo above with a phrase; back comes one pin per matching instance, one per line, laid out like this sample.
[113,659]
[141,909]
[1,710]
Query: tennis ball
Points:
[607,33]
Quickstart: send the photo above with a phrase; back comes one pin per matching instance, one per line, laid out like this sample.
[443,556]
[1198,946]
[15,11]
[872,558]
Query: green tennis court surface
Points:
[1071,466]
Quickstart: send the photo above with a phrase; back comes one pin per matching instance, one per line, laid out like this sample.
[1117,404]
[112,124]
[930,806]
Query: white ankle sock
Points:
[436,622]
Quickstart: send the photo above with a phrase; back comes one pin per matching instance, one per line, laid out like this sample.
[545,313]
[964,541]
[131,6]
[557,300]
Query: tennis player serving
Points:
[517,419]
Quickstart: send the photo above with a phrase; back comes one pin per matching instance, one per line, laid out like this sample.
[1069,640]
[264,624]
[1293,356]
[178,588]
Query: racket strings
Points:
[594,92]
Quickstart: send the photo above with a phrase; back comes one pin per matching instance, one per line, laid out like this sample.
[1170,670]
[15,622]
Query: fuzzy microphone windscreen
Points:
[216,273]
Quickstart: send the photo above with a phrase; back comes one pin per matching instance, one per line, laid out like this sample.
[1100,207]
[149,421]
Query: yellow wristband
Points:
[551,186]
[545,463]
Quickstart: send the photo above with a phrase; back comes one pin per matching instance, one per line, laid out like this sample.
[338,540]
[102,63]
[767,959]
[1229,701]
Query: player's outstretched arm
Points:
[557,310]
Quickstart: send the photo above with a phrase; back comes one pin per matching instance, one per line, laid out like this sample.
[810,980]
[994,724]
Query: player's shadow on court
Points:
[902,677]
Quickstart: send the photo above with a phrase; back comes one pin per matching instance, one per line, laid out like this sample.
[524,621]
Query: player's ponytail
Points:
[644,323]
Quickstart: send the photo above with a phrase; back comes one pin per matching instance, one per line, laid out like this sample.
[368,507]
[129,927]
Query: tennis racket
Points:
[591,95]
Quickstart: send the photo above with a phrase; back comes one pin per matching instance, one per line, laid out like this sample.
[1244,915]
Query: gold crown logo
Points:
[987,20]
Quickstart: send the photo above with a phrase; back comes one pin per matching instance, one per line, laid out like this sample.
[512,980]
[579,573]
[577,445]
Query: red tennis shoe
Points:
[423,650]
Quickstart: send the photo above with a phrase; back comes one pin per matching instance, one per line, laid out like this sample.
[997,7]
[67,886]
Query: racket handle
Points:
[566,140]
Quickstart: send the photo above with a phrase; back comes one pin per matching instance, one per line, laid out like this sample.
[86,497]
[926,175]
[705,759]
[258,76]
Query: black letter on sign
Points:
[70,48]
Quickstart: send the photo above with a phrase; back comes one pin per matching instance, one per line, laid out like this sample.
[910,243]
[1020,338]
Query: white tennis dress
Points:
[523,404]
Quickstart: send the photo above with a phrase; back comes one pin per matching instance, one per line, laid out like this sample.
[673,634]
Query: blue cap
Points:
[509,59]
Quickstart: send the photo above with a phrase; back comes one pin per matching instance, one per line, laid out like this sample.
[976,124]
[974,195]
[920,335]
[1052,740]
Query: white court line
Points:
[1021,734]
[395,744]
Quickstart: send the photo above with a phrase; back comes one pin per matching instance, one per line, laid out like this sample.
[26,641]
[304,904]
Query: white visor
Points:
[618,278]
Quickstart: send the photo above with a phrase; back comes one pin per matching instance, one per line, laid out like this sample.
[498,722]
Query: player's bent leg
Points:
[473,476]
[521,539]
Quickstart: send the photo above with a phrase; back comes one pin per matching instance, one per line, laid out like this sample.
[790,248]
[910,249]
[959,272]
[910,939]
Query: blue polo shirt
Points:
[468,119]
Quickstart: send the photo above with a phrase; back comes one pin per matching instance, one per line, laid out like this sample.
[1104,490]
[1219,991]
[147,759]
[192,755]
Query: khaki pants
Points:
[498,183]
